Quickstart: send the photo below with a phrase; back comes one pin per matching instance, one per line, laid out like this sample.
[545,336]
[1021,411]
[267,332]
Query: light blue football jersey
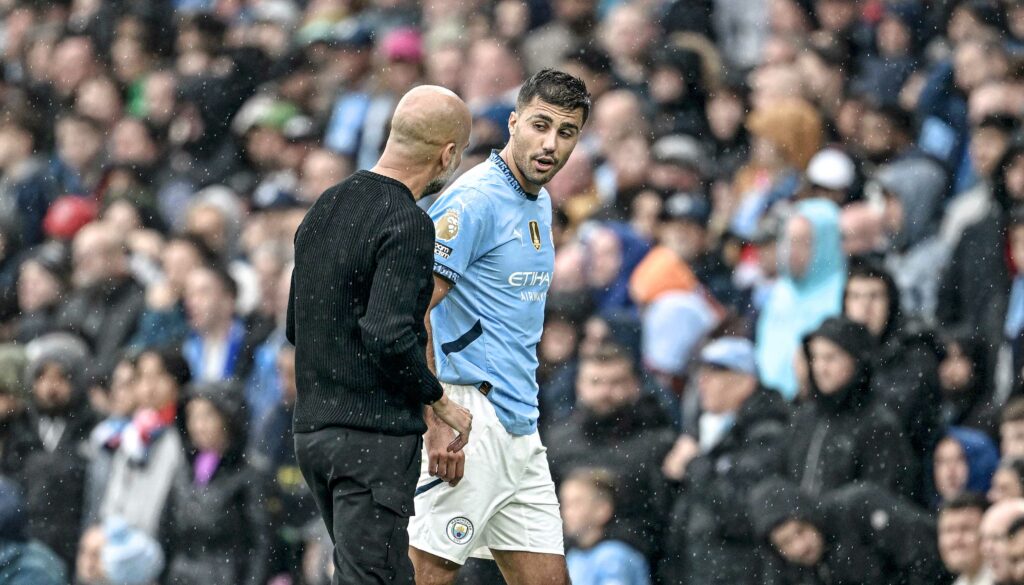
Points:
[494,245]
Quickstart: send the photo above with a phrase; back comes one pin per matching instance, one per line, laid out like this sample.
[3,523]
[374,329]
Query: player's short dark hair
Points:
[966,501]
[556,88]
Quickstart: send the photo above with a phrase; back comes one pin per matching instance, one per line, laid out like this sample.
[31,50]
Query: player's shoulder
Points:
[474,191]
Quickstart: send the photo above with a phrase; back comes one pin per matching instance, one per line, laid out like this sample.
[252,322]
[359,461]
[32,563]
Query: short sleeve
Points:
[460,219]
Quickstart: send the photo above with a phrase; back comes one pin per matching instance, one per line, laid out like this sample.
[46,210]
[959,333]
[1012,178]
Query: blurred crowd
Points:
[784,342]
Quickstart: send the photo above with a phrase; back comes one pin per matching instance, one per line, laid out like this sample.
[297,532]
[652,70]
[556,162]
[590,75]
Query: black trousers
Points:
[364,483]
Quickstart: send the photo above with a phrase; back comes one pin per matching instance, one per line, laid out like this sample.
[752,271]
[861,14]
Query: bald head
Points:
[429,131]
[426,120]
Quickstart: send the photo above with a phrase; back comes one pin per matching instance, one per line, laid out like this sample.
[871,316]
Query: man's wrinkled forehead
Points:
[555,115]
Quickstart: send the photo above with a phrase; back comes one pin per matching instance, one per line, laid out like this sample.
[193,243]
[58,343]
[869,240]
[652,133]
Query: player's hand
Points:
[445,458]
[682,453]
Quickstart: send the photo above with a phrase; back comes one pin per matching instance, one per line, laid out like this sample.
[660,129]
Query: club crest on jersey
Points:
[447,226]
[460,530]
[535,234]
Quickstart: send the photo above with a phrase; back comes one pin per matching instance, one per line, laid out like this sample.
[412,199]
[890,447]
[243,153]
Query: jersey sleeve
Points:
[461,219]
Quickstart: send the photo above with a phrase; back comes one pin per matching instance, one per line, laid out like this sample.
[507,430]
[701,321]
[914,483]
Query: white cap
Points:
[831,169]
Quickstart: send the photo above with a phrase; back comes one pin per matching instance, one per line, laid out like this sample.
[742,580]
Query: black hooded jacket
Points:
[870,536]
[905,369]
[631,442]
[710,539]
[218,534]
[847,436]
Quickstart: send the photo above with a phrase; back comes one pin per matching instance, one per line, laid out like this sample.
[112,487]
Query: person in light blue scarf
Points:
[812,272]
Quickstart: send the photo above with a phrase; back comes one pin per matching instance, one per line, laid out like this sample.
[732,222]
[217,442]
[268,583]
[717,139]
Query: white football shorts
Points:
[505,501]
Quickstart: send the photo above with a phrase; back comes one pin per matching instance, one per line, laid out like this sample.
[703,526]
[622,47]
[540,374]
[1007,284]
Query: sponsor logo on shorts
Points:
[442,250]
[460,530]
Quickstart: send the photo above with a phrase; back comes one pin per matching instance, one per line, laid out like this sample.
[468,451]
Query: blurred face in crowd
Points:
[445,67]
[543,136]
[725,115]
[286,374]
[37,287]
[78,143]
[606,386]
[877,136]
[73,62]
[159,91]
[15,145]
[1006,485]
[893,37]
[99,99]
[974,63]
[994,524]
[956,372]
[154,387]
[1011,435]
[798,542]
[321,170]
[89,560]
[960,540]
[723,390]
[605,258]
[52,389]
[831,367]
[209,224]
[97,254]
[557,341]
[131,142]
[208,304]
[774,83]
[491,71]
[627,32]
[1015,178]
[987,148]
[787,17]
[950,469]
[615,114]
[861,228]
[799,243]
[206,426]
[1016,233]
[122,389]
[867,303]
[179,259]
[687,238]
[584,509]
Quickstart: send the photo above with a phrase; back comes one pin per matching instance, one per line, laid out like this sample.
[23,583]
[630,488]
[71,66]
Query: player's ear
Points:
[512,119]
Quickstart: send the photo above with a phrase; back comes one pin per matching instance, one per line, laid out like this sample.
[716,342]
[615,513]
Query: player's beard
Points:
[441,180]
[524,162]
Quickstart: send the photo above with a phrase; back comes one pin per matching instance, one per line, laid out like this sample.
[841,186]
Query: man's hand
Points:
[445,458]
[682,453]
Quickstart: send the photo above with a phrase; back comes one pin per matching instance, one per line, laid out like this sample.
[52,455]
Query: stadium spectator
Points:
[114,553]
[26,561]
[967,392]
[1008,481]
[994,526]
[959,531]
[1011,429]
[964,462]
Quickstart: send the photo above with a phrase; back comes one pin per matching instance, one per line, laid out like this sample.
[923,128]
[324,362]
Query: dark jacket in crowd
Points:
[711,539]
[24,561]
[905,369]
[218,533]
[870,536]
[973,406]
[631,442]
[105,315]
[847,436]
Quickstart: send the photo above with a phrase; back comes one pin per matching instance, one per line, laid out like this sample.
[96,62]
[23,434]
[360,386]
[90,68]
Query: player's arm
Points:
[441,288]
[443,461]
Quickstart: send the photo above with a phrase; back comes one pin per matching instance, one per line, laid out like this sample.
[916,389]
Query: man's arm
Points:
[442,461]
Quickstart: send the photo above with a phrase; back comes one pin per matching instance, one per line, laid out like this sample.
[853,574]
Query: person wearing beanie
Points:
[840,434]
[23,560]
[61,417]
[218,532]
[150,451]
[114,553]
[859,534]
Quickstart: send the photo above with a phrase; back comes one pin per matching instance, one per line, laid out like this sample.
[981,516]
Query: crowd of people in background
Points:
[784,341]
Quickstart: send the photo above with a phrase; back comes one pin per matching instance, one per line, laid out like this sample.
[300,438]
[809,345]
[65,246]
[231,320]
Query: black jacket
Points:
[870,537]
[848,436]
[710,539]
[632,443]
[106,316]
[218,534]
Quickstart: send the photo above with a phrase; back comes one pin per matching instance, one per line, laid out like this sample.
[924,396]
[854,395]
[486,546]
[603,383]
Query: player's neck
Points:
[506,155]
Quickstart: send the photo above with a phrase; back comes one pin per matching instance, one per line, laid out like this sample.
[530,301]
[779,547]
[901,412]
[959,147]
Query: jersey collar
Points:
[509,177]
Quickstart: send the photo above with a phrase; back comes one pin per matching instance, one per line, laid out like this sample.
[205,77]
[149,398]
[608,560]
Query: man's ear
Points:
[447,154]
[512,120]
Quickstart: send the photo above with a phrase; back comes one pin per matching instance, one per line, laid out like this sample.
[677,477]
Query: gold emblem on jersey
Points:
[447,226]
[535,234]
